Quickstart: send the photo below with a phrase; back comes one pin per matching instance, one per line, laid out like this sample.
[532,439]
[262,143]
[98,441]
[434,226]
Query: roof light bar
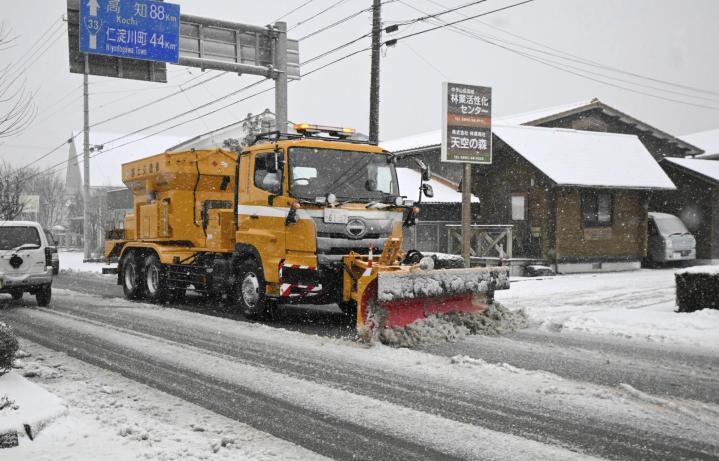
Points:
[342,132]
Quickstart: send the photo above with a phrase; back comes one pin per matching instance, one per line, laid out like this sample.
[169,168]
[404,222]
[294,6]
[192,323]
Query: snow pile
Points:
[639,306]
[32,407]
[72,261]
[393,286]
[451,327]
[708,270]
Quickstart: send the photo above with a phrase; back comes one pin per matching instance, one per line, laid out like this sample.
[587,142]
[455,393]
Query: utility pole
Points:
[375,67]
[281,78]
[466,213]
[86,228]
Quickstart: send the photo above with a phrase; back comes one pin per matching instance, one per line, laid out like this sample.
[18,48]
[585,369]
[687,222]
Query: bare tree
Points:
[11,191]
[51,190]
[17,109]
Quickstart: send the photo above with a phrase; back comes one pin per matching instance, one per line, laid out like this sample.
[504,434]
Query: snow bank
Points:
[72,261]
[639,305]
[33,407]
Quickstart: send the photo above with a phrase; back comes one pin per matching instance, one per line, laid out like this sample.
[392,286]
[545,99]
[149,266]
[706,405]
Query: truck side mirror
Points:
[427,190]
[426,172]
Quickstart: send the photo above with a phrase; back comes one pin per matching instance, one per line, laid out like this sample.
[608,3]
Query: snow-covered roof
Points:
[707,140]
[409,181]
[414,142]
[709,169]
[539,114]
[586,158]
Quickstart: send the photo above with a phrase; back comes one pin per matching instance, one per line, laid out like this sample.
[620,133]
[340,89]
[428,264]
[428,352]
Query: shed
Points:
[696,201]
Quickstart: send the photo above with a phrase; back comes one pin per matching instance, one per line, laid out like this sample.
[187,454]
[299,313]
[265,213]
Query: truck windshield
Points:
[13,236]
[349,175]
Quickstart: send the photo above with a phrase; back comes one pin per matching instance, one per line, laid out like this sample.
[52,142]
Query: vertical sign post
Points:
[466,138]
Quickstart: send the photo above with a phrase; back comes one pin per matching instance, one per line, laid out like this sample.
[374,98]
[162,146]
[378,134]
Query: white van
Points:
[25,261]
[669,239]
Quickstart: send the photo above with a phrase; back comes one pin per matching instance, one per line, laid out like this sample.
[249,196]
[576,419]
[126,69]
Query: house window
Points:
[519,207]
[597,209]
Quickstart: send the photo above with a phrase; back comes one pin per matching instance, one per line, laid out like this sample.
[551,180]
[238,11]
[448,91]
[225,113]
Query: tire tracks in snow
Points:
[568,430]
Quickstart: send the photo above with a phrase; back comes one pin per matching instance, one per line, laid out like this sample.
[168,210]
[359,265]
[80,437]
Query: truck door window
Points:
[264,176]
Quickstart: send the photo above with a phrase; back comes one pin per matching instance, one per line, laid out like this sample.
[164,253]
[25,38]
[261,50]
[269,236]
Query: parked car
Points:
[25,261]
[669,239]
[54,255]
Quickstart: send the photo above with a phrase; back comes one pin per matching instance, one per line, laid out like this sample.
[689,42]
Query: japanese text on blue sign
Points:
[467,123]
[138,29]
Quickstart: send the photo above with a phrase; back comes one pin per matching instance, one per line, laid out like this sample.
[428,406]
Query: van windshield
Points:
[671,226]
[14,236]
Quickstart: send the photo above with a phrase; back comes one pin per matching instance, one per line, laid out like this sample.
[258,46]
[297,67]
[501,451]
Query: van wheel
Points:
[44,295]
[249,291]
[155,280]
[133,282]
[16,294]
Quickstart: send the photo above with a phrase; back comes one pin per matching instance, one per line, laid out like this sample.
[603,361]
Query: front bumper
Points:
[25,281]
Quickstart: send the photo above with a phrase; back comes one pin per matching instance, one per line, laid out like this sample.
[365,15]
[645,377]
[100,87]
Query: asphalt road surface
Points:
[594,397]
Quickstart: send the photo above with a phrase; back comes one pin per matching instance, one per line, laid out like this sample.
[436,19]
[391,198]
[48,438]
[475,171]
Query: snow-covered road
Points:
[341,399]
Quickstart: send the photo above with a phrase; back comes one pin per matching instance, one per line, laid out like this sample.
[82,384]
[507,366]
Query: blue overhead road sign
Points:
[137,29]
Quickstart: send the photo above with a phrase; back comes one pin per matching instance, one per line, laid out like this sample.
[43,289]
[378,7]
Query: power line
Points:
[316,15]
[441,13]
[28,52]
[579,72]
[335,24]
[581,59]
[50,169]
[294,9]
[448,24]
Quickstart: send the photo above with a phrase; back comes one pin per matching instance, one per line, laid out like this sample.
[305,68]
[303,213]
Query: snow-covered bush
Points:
[697,288]
[8,348]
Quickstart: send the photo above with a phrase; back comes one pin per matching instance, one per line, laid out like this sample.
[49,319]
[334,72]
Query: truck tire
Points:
[16,294]
[44,295]
[249,290]
[348,308]
[133,282]
[155,280]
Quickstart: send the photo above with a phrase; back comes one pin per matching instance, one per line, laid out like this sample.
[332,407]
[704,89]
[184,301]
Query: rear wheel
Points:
[16,294]
[44,295]
[133,283]
[249,291]
[155,280]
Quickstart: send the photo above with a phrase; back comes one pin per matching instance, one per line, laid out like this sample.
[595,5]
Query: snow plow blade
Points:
[398,298]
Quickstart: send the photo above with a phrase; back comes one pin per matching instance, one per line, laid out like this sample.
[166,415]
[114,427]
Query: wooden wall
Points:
[625,239]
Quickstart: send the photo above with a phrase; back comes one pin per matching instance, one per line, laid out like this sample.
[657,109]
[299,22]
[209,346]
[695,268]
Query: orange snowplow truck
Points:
[311,218]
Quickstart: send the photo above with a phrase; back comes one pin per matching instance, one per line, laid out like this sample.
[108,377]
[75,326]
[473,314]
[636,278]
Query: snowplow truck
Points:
[312,218]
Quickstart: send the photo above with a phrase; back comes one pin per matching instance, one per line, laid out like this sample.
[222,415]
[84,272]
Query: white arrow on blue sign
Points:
[137,29]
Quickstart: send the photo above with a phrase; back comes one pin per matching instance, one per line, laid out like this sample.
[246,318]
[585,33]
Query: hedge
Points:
[697,288]
[8,348]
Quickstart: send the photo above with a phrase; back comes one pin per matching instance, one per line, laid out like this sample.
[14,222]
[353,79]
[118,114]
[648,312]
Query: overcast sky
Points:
[660,39]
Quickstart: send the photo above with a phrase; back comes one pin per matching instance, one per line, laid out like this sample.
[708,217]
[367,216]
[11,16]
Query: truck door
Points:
[262,211]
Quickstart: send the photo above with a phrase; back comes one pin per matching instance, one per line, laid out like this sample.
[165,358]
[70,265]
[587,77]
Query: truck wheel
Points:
[155,280]
[132,279]
[348,308]
[43,295]
[249,290]
[16,294]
